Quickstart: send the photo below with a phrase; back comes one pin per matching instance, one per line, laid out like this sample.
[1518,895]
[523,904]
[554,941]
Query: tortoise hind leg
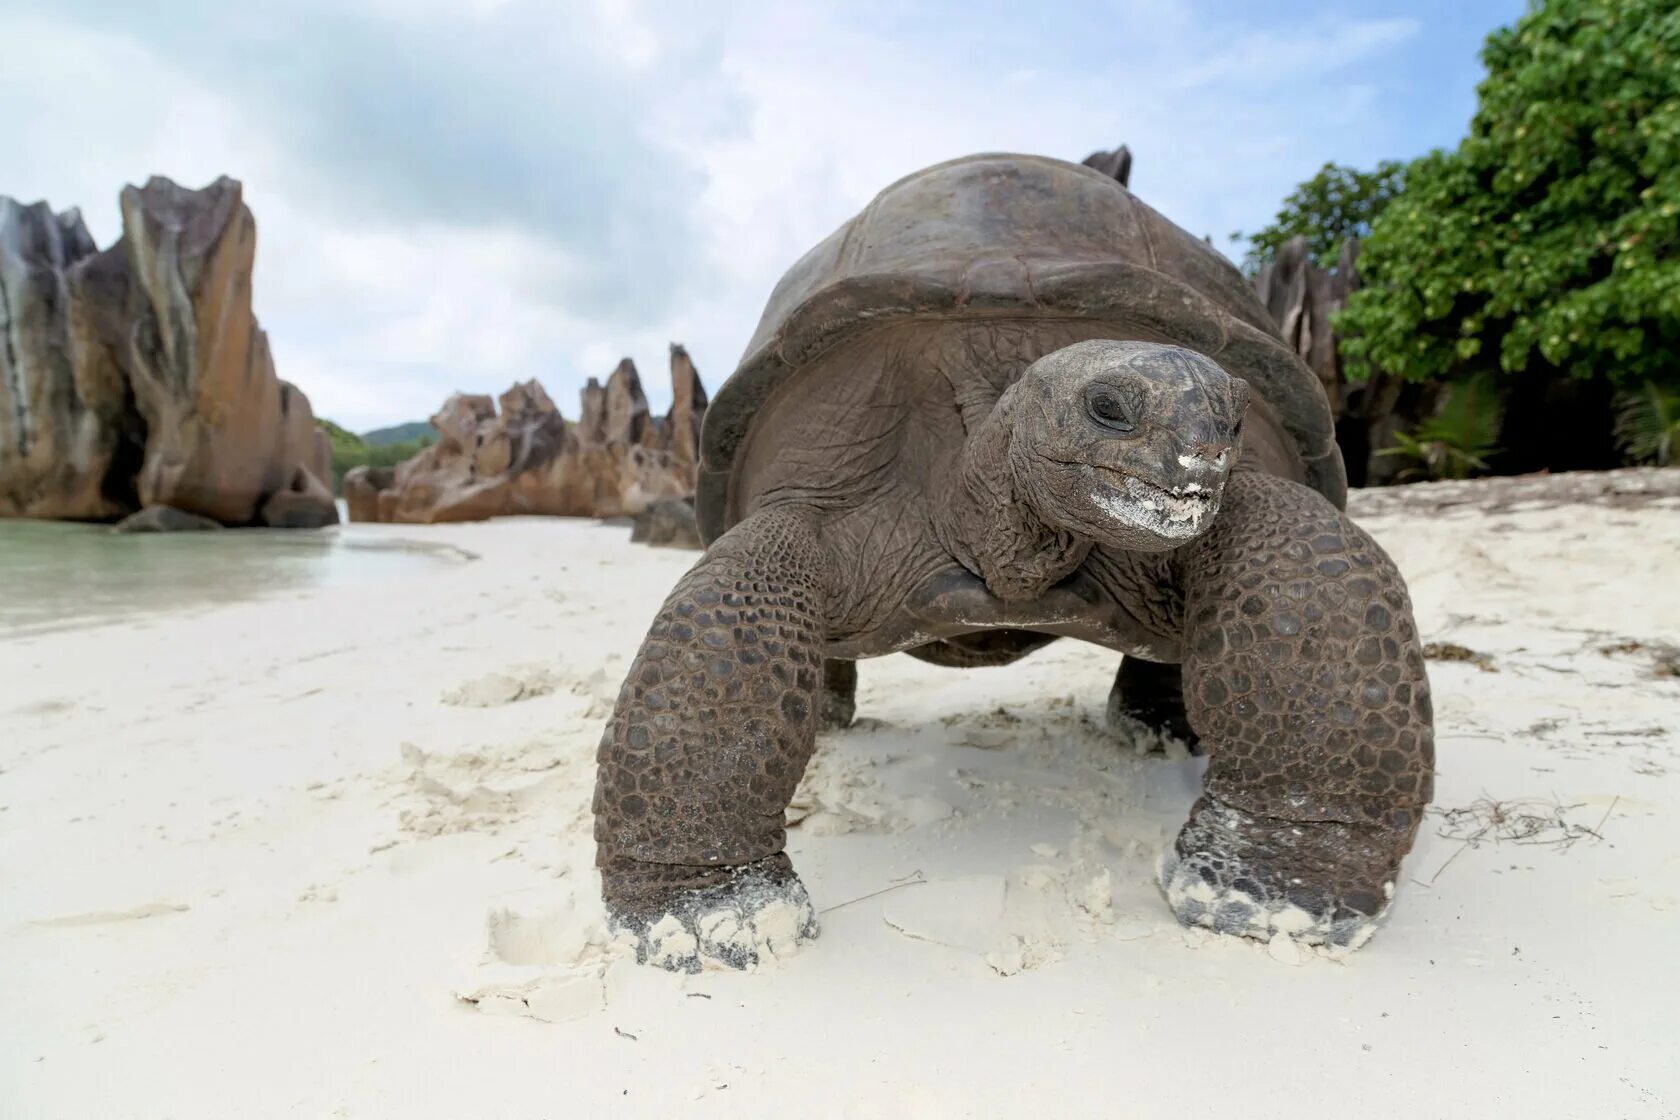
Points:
[839,698]
[711,732]
[1152,694]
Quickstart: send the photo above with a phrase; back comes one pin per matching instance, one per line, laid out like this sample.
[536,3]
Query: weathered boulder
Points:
[688,408]
[1301,297]
[165,519]
[464,476]
[592,407]
[518,455]
[668,523]
[68,438]
[224,432]
[530,435]
[361,487]
[138,376]
[305,504]
[627,417]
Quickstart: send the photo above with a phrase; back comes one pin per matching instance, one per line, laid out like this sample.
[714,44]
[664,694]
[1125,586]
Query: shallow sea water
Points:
[55,575]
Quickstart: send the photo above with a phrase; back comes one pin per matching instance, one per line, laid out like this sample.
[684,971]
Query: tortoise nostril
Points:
[1205,458]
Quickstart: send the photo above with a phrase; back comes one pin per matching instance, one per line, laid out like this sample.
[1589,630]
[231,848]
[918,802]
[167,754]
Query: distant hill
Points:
[385,447]
[415,431]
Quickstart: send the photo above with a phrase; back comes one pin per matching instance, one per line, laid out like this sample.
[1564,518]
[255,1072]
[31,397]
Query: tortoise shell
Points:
[1022,238]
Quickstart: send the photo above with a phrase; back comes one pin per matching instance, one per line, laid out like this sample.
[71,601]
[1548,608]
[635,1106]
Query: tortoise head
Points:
[1126,444]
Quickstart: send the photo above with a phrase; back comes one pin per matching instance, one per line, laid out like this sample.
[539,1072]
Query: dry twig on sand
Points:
[1523,820]
[914,879]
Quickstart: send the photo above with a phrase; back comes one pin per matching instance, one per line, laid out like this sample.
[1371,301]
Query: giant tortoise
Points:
[1007,403]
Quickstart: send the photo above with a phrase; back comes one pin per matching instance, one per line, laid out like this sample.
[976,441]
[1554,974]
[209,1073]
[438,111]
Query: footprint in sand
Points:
[550,965]
[840,794]
[1014,922]
[497,689]
[487,789]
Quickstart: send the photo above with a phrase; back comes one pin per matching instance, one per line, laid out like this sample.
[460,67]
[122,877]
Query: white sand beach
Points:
[327,854]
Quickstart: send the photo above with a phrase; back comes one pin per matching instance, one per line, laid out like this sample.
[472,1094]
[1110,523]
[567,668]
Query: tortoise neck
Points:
[990,524]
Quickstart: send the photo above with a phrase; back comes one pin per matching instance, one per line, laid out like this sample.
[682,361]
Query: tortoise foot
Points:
[1317,883]
[1157,739]
[836,712]
[1146,707]
[738,918]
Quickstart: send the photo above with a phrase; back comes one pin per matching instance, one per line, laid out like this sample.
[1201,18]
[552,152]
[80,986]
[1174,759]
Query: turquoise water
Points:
[59,574]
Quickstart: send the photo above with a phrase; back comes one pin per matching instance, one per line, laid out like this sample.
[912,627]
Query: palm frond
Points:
[1459,439]
[1648,423]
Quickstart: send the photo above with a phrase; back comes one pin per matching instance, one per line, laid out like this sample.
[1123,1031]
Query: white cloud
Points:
[621,176]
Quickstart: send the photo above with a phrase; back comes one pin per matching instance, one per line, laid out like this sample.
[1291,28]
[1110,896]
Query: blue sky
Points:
[458,194]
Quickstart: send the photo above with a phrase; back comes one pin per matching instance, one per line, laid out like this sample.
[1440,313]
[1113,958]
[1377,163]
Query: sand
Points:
[328,855]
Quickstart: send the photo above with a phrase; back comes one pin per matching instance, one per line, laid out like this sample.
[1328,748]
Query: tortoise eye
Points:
[1110,409]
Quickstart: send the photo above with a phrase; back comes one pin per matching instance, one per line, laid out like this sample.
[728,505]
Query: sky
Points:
[461,194]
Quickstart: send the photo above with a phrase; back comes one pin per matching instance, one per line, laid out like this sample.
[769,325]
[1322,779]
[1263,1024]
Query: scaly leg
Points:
[712,730]
[839,699]
[1304,678]
[1152,694]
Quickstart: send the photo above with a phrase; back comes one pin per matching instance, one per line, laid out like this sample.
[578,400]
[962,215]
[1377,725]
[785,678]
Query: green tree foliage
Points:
[1550,239]
[351,450]
[1334,205]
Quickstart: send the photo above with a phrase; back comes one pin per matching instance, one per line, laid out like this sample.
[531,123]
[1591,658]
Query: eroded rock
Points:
[668,523]
[519,455]
[68,439]
[305,504]
[1301,297]
[688,408]
[139,377]
[361,489]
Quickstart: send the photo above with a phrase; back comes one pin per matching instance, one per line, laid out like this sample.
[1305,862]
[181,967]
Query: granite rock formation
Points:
[1301,297]
[139,377]
[70,441]
[361,488]
[667,523]
[688,408]
[519,455]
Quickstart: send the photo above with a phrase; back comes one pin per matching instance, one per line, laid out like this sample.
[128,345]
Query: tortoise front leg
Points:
[1304,678]
[712,730]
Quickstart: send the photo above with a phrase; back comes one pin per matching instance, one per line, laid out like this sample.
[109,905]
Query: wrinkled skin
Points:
[1101,495]
[1125,445]
[1120,445]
